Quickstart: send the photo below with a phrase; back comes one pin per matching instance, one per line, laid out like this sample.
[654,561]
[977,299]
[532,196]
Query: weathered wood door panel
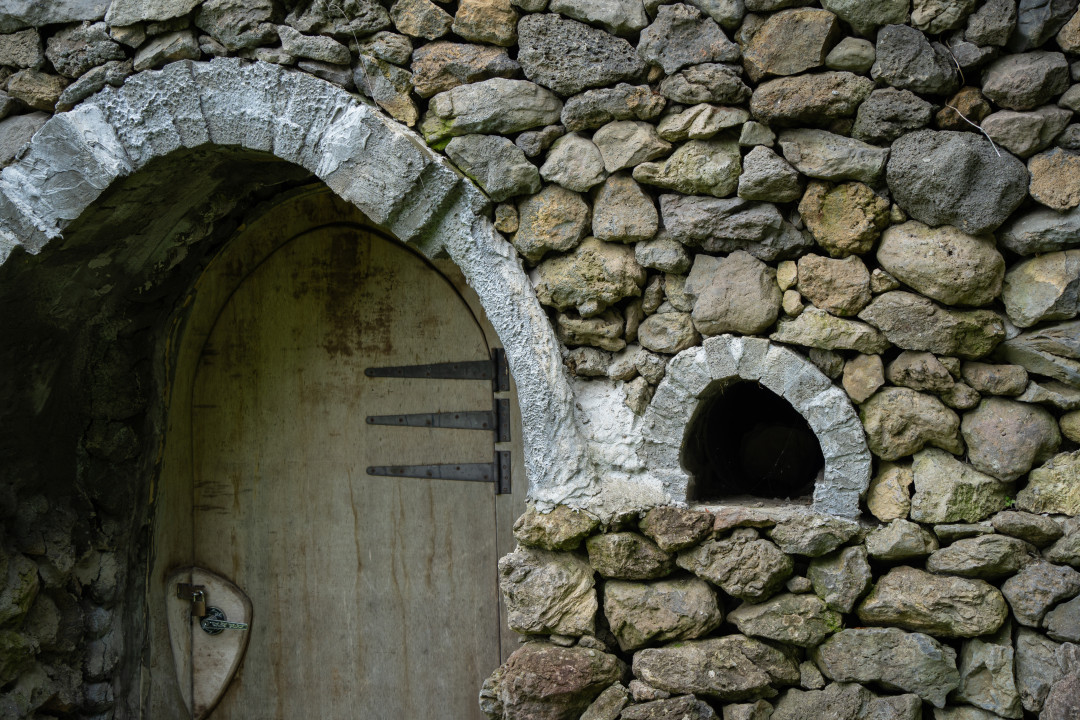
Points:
[372,597]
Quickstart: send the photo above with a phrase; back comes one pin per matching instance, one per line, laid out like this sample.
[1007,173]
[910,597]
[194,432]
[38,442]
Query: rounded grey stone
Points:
[955,178]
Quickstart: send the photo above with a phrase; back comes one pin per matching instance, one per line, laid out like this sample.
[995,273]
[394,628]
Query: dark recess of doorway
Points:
[744,440]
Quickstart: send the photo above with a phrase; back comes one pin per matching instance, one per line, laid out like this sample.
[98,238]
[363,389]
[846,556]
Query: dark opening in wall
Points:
[746,440]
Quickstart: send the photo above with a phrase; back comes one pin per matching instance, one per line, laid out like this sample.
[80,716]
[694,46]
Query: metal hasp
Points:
[497,472]
[497,420]
[494,370]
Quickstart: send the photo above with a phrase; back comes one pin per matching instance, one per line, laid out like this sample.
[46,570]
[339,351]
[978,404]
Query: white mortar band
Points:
[726,359]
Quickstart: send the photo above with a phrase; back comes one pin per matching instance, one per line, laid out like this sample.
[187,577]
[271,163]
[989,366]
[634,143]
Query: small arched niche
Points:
[744,439]
[737,418]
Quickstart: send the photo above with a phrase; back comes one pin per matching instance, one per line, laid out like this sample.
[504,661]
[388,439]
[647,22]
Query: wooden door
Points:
[373,597]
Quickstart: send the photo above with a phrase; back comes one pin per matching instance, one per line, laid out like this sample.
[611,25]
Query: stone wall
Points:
[681,614]
[889,190]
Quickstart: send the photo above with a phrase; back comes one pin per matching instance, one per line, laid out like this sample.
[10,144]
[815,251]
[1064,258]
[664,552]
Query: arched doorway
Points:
[372,596]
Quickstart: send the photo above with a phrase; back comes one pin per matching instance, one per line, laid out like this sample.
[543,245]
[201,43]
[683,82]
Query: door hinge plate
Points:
[494,370]
[497,472]
[496,420]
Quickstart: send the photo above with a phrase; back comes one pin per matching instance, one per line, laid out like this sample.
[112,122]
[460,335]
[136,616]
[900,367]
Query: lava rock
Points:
[548,592]
[988,557]
[992,23]
[568,56]
[706,83]
[553,219]
[948,490]
[1038,587]
[907,61]
[845,219]
[440,66]
[801,620]
[742,565]
[733,294]
[768,177]
[866,17]
[939,604]
[943,263]
[596,275]
[733,667]
[826,156]
[899,422]
[623,212]
[1043,288]
[641,614]
[497,165]
[814,99]
[955,178]
[1005,438]
[680,37]
[911,662]
[913,322]
[889,113]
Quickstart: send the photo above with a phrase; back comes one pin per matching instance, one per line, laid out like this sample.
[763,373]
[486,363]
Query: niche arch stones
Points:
[379,166]
[693,374]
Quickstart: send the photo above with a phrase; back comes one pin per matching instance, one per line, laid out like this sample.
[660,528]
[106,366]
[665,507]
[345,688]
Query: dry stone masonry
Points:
[748,613]
[868,209]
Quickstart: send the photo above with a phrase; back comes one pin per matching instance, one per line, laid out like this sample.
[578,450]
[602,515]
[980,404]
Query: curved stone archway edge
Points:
[384,169]
[729,359]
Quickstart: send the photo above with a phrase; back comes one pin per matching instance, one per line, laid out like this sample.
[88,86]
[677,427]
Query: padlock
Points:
[198,604]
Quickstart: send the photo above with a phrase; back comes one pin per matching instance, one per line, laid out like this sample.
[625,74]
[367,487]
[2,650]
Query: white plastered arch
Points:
[381,167]
[725,359]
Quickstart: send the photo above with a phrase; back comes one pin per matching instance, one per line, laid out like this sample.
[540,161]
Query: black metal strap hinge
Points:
[497,472]
[497,420]
[494,370]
